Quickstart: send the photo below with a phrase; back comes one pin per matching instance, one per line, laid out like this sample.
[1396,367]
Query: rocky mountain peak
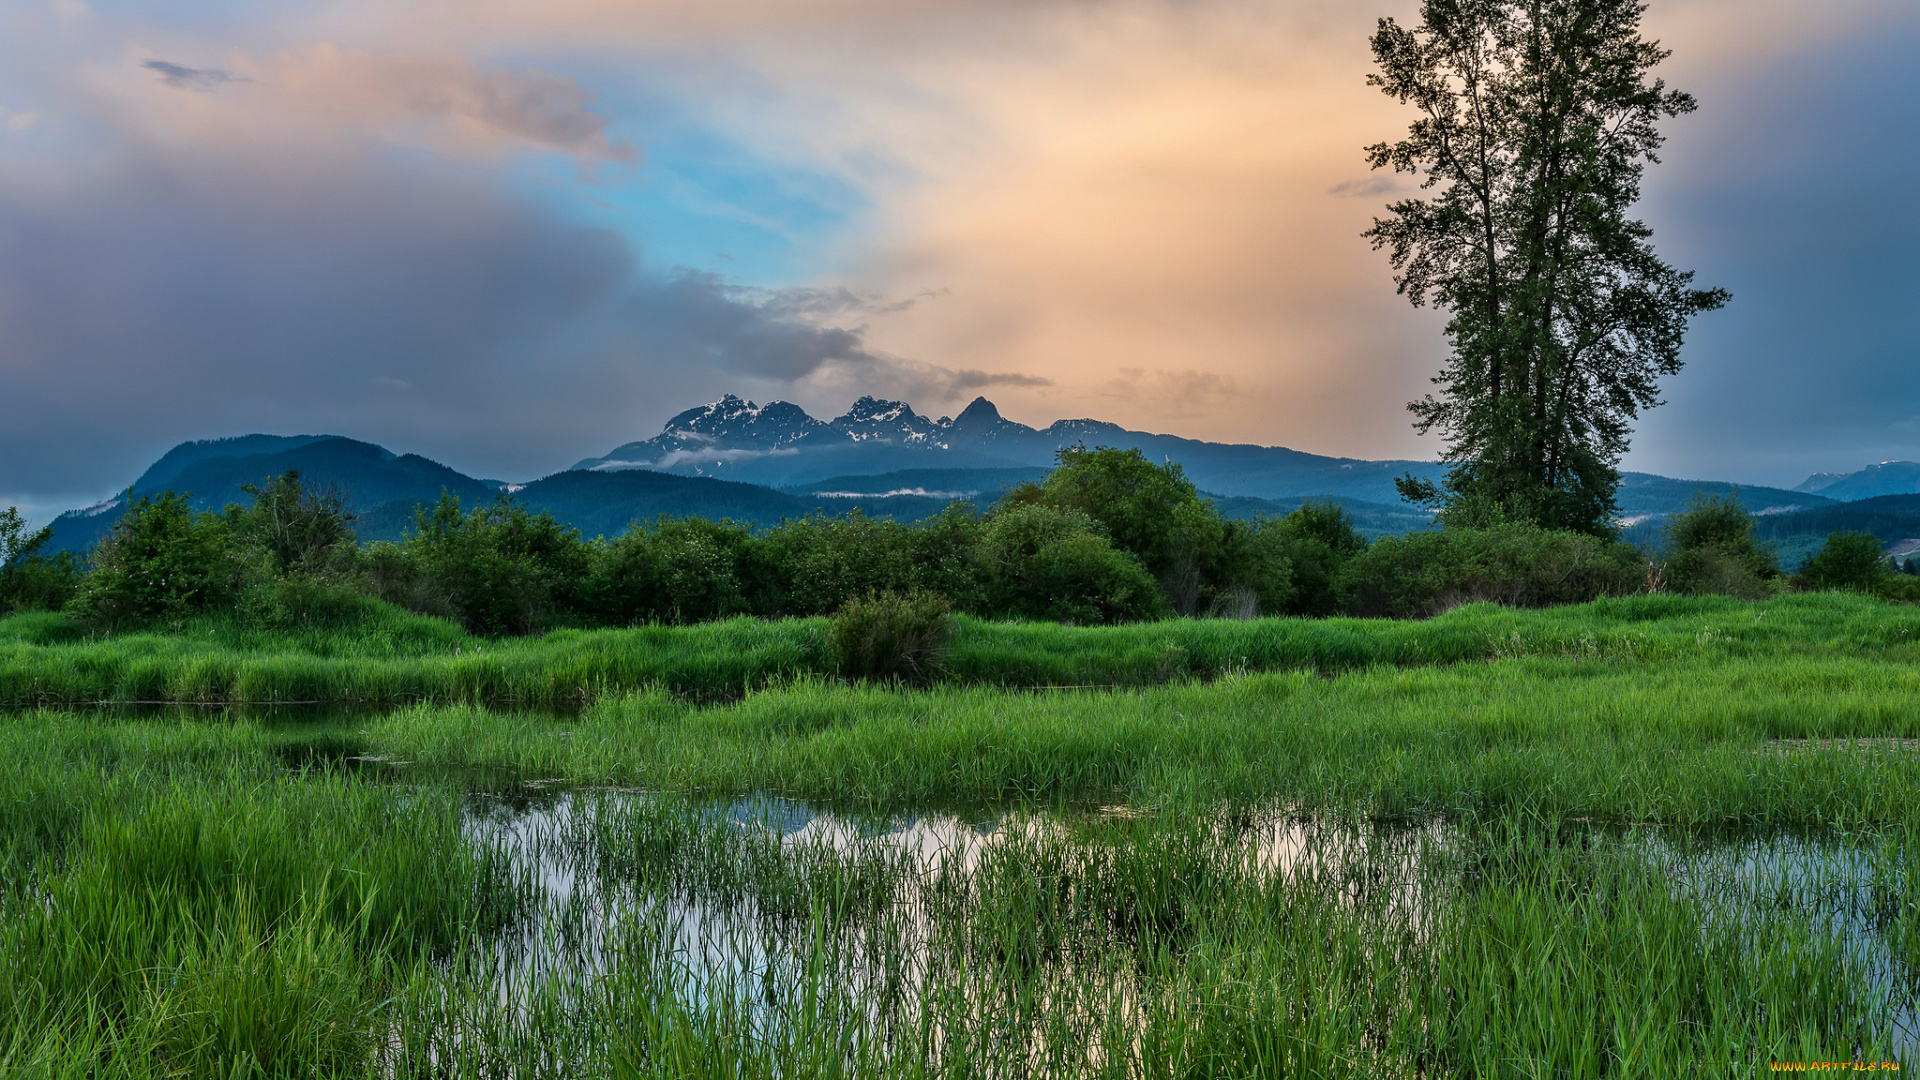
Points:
[879,420]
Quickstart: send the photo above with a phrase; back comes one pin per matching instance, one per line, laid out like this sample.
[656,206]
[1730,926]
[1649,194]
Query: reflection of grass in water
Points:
[381,656]
[1157,947]
[177,901]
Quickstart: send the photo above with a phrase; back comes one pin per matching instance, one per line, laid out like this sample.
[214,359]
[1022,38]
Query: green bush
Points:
[891,635]
[301,602]
[820,563]
[162,561]
[1257,567]
[296,530]
[1518,565]
[1319,539]
[1712,549]
[1849,561]
[1043,563]
[1713,571]
[498,569]
[1152,512]
[30,580]
[677,570]
[944,552]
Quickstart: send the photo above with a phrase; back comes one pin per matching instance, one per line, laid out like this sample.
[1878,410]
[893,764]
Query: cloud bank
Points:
[511,236]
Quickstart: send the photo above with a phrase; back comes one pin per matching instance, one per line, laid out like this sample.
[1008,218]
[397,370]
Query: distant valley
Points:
[762,463]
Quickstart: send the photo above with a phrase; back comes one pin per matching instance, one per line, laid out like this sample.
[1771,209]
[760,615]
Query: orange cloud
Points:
[1150,211]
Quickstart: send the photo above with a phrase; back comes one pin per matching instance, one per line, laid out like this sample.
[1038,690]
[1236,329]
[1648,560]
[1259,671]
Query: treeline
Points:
[1106,537]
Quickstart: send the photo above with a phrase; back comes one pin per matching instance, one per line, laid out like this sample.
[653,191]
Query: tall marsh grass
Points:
[391,658]
[189,897]
[1789,741]
[173,904]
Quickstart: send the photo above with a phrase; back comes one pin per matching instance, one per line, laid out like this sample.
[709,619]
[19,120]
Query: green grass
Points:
[1693,742]
[1631,838]
[390,658]
[174,902]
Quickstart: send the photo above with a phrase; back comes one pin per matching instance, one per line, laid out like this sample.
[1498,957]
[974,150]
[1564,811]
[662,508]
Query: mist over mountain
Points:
[763,463]
[780,445]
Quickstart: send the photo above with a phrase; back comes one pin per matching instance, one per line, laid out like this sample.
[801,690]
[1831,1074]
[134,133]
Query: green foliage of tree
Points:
[1257,566]
[1515,564]
[1150,511]
[1537,119]
[29,578]
[1712,548]
[497,568]
[296,529]
[1039,562]
[1317,540]
[678,570]
[162,561]
[1849,561]
[821,563]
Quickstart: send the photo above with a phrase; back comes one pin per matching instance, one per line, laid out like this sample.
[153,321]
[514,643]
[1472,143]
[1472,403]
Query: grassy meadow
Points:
[1626,838]
[384,657]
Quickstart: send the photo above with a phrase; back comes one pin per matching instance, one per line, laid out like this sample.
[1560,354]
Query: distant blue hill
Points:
[1886,478]
[214,471]
[759,464]
[780,445]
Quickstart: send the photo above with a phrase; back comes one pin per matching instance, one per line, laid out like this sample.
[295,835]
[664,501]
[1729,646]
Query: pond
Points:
[1109,940]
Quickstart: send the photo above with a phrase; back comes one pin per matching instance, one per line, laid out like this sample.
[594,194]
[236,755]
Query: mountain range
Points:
[762,463]
[1874,481]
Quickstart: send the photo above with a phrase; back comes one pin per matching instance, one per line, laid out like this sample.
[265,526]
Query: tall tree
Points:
[1537,120]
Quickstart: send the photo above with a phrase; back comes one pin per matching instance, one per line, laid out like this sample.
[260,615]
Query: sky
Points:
[509,236]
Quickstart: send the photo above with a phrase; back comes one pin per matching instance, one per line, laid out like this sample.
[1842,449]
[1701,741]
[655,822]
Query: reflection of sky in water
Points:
[589,921]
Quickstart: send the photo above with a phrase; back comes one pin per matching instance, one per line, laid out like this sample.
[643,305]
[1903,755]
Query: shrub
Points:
[1152,512]
[30,580]
[677,570]
[1042,563]
[1319,539]
[1712,549]
[1713,571]
[1519,565]
[499,569]
[296,530]
[891,635]
[302,601]
[944,552]
[820,563]
[162,561]
[1850,561]
[1258,569]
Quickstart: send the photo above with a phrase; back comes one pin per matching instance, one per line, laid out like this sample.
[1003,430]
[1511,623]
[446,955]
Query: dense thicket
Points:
[1108,537]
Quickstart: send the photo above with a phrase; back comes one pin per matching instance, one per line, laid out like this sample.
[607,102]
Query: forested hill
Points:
[759,464]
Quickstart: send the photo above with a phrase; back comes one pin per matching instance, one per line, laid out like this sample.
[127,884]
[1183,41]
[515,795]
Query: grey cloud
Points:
[971,379]
[403,301]
[536,106]
[827,302]
[181,77]
[541,108]
[694,318]
[1811,368]
[1377,184]
[913,380]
